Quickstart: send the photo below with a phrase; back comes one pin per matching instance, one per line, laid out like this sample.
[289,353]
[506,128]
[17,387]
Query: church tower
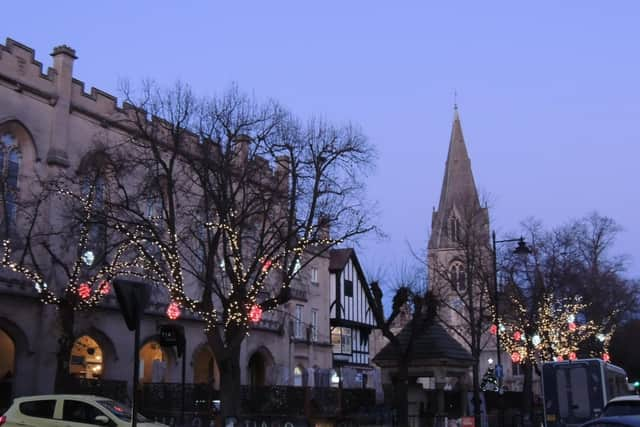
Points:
[458,245]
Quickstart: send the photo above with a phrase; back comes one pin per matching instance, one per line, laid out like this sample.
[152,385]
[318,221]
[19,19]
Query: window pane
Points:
[348,288]
[38,408]
[79,412]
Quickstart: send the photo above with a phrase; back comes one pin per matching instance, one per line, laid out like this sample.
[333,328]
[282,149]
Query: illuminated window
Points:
[341,340]
[298,376]
[153,363]
[86,358]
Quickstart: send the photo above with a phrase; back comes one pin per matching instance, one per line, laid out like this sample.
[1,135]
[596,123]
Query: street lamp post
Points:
[522,249]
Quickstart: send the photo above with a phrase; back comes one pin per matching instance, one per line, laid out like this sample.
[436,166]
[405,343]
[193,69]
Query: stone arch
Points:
[259,365]
[22,351]
[157,363]
[205,366]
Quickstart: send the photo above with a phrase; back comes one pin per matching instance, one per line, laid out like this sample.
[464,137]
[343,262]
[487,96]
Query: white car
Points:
[65,410]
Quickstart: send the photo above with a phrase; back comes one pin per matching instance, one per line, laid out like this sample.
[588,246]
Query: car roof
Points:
[627,398]
[59,396]
[624,420]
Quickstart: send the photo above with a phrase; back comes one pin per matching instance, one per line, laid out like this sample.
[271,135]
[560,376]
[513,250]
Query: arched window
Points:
[454,229]
[257,370]
[86,358]
[153,363]
[10,158]
[205,370]
[7,357]
[458,277]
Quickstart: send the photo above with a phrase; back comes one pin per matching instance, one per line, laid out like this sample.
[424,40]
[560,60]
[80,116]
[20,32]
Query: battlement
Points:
[20,71]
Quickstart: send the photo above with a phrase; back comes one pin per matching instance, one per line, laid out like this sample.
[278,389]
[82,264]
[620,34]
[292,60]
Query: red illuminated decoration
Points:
[266,266]
[255,314]
[559,359]
[572,356]
[173,311]
[517,335]
[572,326]
[493,329]
[515,357]
[105,287]
[605,357]
[84,290]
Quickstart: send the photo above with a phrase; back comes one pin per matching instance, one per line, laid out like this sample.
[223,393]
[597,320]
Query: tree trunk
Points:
[402,393]
[476,389]
[230,395]
[527,394]
[66,316]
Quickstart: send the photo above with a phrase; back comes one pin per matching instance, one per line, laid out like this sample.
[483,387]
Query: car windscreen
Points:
[622,408]
[120,410]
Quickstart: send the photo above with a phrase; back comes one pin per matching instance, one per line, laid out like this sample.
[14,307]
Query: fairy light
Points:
[551,336]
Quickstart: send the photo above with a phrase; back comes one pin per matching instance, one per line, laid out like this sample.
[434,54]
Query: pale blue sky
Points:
[548,90]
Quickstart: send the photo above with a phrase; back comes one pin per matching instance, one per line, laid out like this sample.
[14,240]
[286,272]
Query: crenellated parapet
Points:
[59,89]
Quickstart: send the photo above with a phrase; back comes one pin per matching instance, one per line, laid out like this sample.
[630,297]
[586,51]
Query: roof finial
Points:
[455,100]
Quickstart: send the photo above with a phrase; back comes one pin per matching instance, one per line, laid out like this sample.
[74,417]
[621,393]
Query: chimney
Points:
[282,172]
[241,148]
[324,231]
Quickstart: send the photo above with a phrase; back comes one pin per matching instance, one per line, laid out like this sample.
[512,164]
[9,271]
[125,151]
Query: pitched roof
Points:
[431,346]
[338,258]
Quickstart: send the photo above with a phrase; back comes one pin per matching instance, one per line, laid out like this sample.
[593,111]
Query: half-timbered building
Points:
[351,319]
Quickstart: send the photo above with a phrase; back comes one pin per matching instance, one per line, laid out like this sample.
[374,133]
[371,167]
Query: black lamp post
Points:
[523,250]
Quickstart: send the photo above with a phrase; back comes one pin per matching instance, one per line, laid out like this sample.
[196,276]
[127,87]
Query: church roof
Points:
[431,346]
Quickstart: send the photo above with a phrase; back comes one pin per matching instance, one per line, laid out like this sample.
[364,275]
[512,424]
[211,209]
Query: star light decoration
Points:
[554,335]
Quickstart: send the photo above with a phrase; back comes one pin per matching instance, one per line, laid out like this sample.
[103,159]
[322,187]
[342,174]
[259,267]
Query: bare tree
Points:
[59,245]
[462,278]
[227,199]
[412,300]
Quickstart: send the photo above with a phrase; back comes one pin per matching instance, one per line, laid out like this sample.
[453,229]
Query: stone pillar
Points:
[63,58]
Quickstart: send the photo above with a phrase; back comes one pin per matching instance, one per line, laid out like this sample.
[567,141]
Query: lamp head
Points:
[522,249]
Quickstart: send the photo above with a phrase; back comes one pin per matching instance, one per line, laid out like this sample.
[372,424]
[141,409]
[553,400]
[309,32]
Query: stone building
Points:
[47,123]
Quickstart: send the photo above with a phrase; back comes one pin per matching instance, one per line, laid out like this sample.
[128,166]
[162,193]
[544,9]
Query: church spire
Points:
[458,185]
[459,196]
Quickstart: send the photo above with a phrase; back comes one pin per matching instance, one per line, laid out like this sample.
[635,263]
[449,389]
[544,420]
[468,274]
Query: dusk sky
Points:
[548,91]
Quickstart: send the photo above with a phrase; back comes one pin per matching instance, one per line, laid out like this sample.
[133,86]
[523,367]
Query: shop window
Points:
[86,358]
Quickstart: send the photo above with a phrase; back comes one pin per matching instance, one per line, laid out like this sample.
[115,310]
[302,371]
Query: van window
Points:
[38,408]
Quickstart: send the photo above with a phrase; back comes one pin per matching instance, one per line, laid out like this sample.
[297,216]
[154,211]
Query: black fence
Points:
[116,390]
[163,402]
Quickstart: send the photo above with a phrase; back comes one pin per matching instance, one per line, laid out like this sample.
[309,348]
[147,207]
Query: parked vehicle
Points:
[628,421]
[61,410]
[576,391]
[622,406]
